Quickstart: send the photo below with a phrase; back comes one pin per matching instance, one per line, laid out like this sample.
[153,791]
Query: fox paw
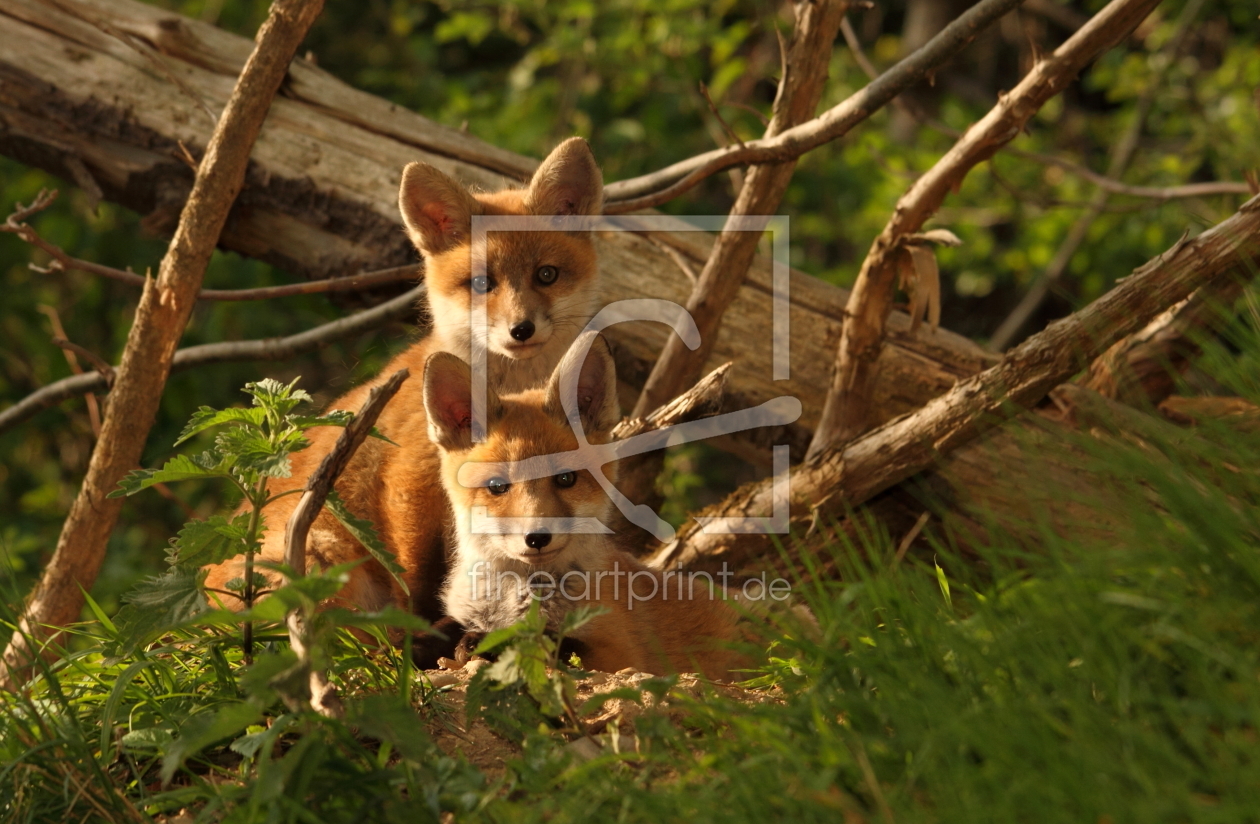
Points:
[467,646]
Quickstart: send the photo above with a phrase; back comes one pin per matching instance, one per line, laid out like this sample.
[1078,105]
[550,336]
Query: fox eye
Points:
[482,284]
[566,479]
[547,275]
[497,486]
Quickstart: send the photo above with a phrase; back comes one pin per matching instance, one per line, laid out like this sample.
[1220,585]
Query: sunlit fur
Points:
[397,487]
[654,634]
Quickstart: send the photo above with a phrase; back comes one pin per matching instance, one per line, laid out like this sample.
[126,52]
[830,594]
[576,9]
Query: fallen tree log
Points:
[112,106]
[846,477]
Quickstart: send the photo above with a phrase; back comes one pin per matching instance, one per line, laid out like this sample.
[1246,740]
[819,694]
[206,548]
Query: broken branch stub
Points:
[851,474]
[846,413]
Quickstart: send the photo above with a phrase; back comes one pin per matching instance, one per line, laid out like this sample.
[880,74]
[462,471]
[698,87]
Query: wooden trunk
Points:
[103,93]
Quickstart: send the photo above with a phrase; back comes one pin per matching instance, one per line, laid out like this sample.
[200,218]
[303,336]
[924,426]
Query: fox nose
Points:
[523,331]
[538,540]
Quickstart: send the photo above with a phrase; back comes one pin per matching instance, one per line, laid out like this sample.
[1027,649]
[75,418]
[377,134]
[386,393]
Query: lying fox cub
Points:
[540,291]
[517,496]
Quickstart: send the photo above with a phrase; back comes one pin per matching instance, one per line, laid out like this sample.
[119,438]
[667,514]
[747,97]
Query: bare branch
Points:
[64,262]
[323,696]
[851,474]
[269,349]
[804,77]
[161,317]
[1142,369]
[1122,152]
[666,184]
[846,412]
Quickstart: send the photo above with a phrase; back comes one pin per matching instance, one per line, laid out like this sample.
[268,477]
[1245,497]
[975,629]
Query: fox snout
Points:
[522,332]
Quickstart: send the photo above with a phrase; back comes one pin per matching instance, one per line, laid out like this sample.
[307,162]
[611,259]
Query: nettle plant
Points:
[253,445]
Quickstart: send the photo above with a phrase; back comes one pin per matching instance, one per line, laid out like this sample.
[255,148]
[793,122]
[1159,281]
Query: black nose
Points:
[523,331]
[538,540]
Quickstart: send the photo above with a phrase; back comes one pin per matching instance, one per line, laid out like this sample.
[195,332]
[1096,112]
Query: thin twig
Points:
[804,76]
[323,697]
[270,349]
[653,189]
[161,317]
[1110,184]
[1121,154]
[91,357]
[726,127]
[62,261]
[853,473]
[847,409]
[89,398]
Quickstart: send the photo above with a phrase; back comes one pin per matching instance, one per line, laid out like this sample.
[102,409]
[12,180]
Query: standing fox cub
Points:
[521,502]
[540,292]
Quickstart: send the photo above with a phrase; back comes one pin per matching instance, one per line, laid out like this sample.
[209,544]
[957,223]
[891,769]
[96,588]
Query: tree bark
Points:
[846,477]
[165,306]
[847,412]
[320,193]
[317,692]
[805,64]
[805,61]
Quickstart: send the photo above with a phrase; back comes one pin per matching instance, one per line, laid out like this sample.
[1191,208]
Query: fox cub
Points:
[521,502]
[540,290]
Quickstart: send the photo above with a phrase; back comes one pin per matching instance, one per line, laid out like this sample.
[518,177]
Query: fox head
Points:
[521,494]
[538,286]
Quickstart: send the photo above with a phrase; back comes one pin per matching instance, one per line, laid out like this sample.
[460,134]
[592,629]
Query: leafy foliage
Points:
[252,446]
[1073,675]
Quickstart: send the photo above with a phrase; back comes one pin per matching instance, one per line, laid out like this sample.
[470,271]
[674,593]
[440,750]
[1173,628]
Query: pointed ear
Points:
[567,183]
[436,210]
[592,381]
[448,401]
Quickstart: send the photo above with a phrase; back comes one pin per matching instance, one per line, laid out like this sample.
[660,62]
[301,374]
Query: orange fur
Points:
[397,487]
[524,471]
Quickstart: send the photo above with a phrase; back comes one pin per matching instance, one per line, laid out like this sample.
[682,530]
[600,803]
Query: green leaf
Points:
[300,592]
[179,468]
[211,541]
[148,741]
[157,605]
[365,533]
[390,616]
[578,618]
[253,451]
[203,729]
[944,583]
[333,417]
[275,397]
[206,417]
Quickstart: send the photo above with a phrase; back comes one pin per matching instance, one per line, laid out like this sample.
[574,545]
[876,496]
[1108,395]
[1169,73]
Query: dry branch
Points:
[703,400]
[804,77]
[61,261]
[848,476]
[805,61]
[658,187]
[323,696]
[320,196]
[847,410]
[1142,368]
[1121,153]
[269,349]
[165,306]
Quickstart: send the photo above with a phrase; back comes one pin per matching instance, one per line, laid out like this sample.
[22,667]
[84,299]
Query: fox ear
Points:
[436,210]
[568,182]
[592,382]
[448,402]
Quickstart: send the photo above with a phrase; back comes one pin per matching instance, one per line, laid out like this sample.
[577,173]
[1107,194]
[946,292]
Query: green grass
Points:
[1055,678]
